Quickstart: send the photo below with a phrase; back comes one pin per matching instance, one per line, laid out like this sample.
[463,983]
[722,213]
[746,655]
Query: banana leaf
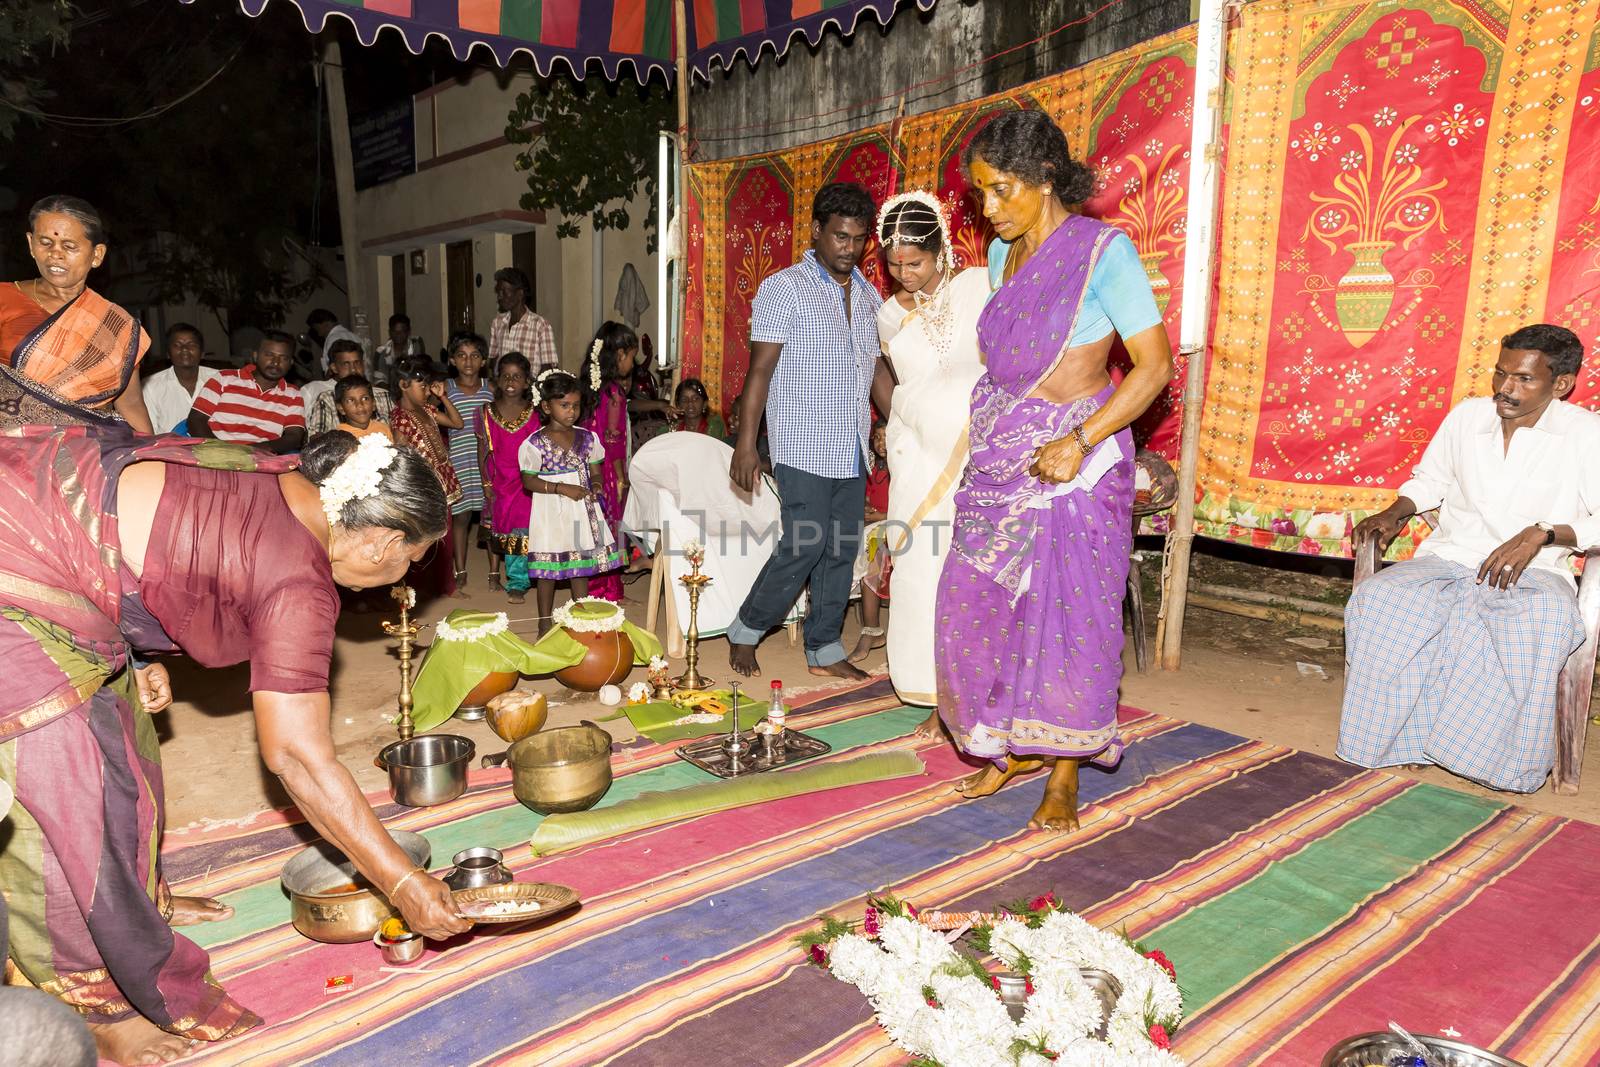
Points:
[558,833]
[452,669]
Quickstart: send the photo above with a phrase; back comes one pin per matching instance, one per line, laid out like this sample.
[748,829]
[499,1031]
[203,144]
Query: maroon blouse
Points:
[232,575]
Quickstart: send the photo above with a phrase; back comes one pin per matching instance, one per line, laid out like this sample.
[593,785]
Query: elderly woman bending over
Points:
[117,545]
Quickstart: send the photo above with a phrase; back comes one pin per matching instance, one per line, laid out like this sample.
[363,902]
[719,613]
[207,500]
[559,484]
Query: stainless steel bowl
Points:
[428,769]
[322,913]
[478,867]
[1374,1050]
[400,951]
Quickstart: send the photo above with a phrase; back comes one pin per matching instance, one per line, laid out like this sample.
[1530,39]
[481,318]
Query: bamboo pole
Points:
[1205,161]
[681,200]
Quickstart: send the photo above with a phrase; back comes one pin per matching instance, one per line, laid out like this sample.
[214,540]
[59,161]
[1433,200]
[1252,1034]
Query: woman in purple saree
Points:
[1030,601]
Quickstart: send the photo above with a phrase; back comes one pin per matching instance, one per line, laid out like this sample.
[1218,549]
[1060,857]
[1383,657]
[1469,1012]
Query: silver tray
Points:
[1374,1050]
[710,754]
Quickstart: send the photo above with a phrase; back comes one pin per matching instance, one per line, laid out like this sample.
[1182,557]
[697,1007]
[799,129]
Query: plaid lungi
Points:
[1441,669]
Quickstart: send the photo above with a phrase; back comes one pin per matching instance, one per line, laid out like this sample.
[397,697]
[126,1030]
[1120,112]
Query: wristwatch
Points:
[1549,532]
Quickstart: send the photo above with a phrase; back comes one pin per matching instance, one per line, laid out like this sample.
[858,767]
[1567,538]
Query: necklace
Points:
[938,315]
[511,427]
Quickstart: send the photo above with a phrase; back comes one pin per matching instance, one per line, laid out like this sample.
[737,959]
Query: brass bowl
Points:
[567,769]
[1374,1049]
[551,900]
[341,918]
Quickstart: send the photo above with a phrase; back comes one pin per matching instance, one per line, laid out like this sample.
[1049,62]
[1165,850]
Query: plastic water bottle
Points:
[775,712]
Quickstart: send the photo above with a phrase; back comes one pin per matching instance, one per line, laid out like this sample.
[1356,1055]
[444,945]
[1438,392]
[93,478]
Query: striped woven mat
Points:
[1302,900]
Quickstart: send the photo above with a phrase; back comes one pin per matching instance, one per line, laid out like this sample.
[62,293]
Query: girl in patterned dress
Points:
[604,379]
[415,421]
[469,391]
[502,427]
[569,537]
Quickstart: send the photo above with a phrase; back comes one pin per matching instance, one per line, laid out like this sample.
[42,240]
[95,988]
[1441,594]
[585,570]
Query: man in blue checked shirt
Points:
[813,350]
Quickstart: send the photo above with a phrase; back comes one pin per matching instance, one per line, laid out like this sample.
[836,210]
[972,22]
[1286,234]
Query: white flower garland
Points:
[497,625]
[360,476]
[564,616]
[964,1023]
[594,365]
[947,252]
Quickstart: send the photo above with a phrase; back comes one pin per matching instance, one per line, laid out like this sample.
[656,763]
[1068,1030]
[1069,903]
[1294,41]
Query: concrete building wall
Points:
[846,84]
[467,189]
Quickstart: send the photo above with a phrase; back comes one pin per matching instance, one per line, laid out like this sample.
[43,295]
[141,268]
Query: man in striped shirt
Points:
[254,406]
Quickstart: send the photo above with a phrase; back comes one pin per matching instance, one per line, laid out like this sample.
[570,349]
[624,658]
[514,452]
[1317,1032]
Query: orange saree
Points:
[86,352]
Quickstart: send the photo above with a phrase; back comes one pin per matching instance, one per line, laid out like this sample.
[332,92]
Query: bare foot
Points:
[189,911]
[459,594]
[742,658]
[865,644]
[842,669]
[1058,811]
[517,597]
[137,1041]
[931,728]
[989,780]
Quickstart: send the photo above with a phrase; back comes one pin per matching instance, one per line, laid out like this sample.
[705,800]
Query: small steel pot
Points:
[335,917]
[476,868]
[400,951]
[428,769]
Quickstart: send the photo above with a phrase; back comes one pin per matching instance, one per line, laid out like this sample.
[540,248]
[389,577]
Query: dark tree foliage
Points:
[588,147]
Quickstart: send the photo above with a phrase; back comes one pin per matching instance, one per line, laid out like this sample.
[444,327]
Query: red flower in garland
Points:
[869,923]
[1159,958]
[818,956]
[932,1002]
[994,980]
[1027,987]
[1044,903]
[1158,1036]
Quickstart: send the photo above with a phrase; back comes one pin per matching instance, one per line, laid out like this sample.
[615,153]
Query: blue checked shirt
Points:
[819,409]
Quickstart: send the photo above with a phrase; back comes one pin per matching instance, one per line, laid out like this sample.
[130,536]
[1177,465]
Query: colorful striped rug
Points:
[1302,900]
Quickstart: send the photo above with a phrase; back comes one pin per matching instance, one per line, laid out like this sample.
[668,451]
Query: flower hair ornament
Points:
[545,374]
[904,234]
[594,364]
[360,476]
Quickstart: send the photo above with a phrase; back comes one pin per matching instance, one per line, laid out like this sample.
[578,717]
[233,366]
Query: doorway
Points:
[458,286]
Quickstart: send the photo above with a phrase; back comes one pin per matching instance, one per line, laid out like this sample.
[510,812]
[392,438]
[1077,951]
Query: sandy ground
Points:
[1256,678]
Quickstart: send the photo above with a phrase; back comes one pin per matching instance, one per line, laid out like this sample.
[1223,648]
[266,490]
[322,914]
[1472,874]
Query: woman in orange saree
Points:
[60,333]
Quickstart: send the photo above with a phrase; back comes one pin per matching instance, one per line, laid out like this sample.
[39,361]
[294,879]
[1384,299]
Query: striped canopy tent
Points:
[637,34]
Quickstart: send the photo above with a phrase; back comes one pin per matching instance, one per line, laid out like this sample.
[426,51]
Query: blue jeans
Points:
[822,520]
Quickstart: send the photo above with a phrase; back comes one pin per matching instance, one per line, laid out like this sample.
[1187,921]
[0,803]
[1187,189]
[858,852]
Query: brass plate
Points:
[552,899]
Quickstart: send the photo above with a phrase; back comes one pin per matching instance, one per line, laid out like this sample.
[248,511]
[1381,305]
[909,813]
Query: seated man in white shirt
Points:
[169,394]
[1452,657]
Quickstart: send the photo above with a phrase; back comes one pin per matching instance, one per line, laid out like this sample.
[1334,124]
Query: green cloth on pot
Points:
[452,669]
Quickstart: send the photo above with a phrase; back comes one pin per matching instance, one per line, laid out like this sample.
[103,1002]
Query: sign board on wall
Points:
[383,143]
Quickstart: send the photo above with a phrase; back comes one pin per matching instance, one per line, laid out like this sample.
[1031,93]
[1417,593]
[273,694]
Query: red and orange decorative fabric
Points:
[1403,186]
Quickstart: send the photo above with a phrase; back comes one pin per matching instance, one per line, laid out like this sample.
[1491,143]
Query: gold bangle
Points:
[403,879]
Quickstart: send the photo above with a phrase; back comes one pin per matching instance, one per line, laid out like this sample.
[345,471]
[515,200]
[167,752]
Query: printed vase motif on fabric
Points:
[567,538]
[1030,601]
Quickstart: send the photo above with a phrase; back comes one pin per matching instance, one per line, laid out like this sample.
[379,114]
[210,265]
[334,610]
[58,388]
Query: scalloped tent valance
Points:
[636,34]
